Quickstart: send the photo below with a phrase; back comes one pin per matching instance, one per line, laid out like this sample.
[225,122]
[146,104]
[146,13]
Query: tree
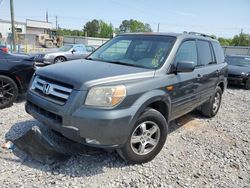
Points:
[98,28]
[130,26]
[242,39]
[225,41]
[92,28]
[105,30]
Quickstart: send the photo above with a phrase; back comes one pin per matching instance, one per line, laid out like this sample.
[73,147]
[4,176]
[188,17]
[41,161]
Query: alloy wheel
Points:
[145,138]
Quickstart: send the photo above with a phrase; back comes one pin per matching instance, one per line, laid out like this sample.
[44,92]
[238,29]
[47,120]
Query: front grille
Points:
[54,117]
[51,90]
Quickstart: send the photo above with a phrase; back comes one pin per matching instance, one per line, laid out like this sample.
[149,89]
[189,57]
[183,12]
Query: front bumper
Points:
[237,79]
[109,127]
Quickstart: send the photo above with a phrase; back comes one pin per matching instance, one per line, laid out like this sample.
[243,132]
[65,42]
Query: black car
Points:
[239,70]
[16,71]
[124,95]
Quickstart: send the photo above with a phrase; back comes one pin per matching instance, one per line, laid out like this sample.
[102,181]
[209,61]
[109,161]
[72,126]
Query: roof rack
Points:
[200,34]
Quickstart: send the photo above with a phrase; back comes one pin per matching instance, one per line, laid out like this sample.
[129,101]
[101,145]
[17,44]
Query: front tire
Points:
[59,59]
[8,91]
[210,108]
[146,139]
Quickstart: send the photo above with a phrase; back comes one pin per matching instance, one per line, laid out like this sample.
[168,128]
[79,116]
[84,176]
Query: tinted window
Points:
[204,52]
[187,52]
[218,52]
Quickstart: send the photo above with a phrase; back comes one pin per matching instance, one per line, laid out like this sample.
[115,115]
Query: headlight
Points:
[244,74]
[46,56]
[106,96]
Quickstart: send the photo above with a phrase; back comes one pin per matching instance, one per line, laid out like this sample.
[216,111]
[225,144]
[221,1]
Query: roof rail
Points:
[200,34]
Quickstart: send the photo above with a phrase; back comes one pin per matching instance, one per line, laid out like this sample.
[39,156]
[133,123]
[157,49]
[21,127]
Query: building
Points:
[5,28]
[33,27]
[38,27]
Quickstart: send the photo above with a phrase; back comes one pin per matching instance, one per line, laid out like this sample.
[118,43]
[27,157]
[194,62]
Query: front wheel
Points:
[146,139]
[210,108]
[8,91]
[59,59]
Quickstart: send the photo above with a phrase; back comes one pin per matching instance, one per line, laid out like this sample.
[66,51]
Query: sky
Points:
[224,18]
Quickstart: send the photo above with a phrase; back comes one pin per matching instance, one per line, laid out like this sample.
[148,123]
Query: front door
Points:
[186,90]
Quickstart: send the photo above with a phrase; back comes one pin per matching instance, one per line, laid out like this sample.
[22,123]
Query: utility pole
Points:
[13,25]
[158,27]
[47,16]
[56,22]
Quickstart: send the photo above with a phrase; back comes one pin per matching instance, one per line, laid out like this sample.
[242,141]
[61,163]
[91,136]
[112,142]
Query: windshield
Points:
[65,48]
[136,50]
[238,61]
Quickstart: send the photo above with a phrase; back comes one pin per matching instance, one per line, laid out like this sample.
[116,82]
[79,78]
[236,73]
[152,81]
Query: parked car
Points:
[125,93]
[239,70]
[65,53]
[4,48]
[16,71]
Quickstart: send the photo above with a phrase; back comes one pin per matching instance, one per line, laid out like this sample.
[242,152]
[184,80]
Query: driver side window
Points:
[187,52]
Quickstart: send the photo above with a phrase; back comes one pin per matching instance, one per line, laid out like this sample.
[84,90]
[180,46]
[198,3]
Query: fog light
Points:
[92,141]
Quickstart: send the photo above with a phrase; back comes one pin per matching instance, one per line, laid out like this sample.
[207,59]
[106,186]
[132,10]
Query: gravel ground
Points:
[199,152]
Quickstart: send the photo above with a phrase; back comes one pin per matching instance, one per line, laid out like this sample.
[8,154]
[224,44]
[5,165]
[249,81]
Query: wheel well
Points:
[161,107]
[15,80]
[61,56]
[222,86]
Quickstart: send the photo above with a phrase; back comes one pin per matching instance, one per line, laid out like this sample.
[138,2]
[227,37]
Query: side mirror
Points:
[185,66]
[73,51]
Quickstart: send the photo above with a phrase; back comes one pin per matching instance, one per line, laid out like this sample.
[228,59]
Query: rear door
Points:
[186,93]
[208,69]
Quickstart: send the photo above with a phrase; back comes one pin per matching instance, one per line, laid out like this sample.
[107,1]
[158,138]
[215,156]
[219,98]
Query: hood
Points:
[237,70]
[83,74]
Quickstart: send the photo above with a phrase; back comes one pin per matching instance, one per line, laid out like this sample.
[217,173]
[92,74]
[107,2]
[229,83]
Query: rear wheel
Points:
[146,139]
[211,108]
[59,59]
[8,91]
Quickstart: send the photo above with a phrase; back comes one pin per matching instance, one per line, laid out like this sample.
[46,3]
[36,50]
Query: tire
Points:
[59,59]
[248,84]
[210,108]
[49,44]
[155,131]
[8,91]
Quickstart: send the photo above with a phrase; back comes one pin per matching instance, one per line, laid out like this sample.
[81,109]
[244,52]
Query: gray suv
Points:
[124,95]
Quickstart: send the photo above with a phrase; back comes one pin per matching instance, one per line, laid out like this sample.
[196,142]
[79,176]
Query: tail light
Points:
[5,50]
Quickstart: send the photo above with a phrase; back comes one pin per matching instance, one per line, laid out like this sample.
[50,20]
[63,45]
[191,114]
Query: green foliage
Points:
[224,41]
[105,30]
[92,28]
[242,39]
[98,28]
[130,26]
[68,32]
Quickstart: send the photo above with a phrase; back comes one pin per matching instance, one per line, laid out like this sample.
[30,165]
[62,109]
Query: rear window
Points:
[219,54]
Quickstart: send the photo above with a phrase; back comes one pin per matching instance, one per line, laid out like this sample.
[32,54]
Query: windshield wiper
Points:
[127,64]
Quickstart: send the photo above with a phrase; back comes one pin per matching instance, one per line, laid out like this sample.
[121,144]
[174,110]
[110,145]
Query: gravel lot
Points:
[199,152]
